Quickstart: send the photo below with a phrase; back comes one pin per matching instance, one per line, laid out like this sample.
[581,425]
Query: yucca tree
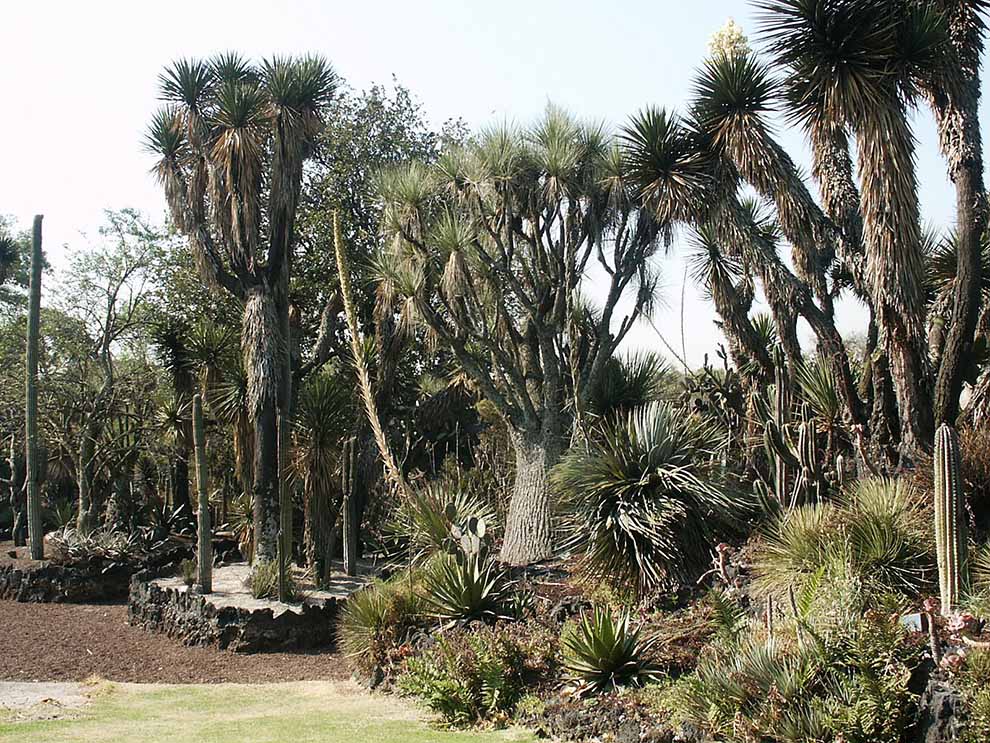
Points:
[954,95]
[170,337]
[684,176]
[856,67]
[490,247]
[231,142]
[323,419]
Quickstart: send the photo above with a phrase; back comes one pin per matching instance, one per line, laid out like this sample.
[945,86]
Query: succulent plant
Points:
[950,519]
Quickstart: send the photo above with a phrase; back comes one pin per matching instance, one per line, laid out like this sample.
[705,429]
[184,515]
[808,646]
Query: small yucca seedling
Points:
[603,652]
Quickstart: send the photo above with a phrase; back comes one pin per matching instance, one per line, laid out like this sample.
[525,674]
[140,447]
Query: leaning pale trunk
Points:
[529,533]
[262,363]
[35,534]
[86,518]
[204,530]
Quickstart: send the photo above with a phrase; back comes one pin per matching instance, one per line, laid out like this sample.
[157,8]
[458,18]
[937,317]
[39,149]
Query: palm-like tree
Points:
[231,142]
[490,247]
[856,66]
[324,418]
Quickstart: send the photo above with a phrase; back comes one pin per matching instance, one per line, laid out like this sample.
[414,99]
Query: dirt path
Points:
[73,642]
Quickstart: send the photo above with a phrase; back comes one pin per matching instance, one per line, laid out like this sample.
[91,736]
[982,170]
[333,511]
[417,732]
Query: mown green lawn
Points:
[233,713]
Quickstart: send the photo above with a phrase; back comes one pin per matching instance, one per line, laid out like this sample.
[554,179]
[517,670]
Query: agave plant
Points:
[465,588]
[645,503]
[603,652]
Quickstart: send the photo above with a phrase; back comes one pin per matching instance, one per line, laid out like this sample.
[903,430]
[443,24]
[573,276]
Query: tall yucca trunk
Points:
[895,265]
[956,107]
[263,365]
[204,529]
[35,534]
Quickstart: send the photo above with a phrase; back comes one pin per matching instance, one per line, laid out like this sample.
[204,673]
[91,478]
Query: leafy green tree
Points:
[103,290]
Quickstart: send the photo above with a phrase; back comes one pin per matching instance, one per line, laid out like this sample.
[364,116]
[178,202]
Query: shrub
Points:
[467,587]
[878,537]
[108,547]
[648,499]
[188,570]
[263,582]
[423,522]
[850,686]
[377,623]
[469,676]
[974,682]
[602,652]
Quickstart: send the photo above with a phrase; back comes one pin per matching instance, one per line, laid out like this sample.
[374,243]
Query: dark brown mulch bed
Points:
[71,642]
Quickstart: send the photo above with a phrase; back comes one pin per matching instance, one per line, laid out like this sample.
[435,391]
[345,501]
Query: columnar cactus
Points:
[348,507]
[781,413]
[204,554]
[35,532]
[950,518]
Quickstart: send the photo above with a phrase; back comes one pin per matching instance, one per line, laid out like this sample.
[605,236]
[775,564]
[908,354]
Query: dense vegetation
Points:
[390,334]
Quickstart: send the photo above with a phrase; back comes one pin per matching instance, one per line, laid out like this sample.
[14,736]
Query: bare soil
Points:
[74,642]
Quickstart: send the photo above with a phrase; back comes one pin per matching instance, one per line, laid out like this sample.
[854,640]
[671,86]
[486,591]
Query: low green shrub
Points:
[644,504]
[849,685]
[467,587]
[877,539]
[377,623]
[475,675]
[974,682]
[423,523]
[188,570]
[263,582]
[602,652]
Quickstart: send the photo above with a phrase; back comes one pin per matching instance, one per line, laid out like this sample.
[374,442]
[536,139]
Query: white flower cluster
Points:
[729,41]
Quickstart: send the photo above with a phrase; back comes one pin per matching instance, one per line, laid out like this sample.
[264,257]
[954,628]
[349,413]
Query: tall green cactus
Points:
[204,553]
[950,518]
[781,414]
[35,534]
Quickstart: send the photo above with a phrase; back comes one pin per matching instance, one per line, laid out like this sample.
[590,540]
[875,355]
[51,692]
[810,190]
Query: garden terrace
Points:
[230,618]
[50,581]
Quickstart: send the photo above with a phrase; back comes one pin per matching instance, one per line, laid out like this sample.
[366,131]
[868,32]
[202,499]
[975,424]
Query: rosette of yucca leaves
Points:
[467,587]
[647,501]
[603,651]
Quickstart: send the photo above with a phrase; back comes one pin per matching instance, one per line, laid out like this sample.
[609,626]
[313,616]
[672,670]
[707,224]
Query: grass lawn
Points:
[228,713]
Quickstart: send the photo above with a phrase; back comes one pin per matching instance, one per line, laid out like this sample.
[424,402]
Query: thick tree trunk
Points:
[529,532]
[260,344]
[265,500]
[911,379]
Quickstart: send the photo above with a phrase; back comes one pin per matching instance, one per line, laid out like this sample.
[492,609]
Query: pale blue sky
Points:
[79,82]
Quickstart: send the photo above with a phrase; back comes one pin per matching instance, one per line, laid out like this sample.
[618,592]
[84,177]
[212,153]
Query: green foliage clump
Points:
[648,499]
[602,652]
[263,582]
[377,622]
[423,522]
[478,675]
[849,685]
[188,570]
[467,587]
[877,540]
[974,682]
